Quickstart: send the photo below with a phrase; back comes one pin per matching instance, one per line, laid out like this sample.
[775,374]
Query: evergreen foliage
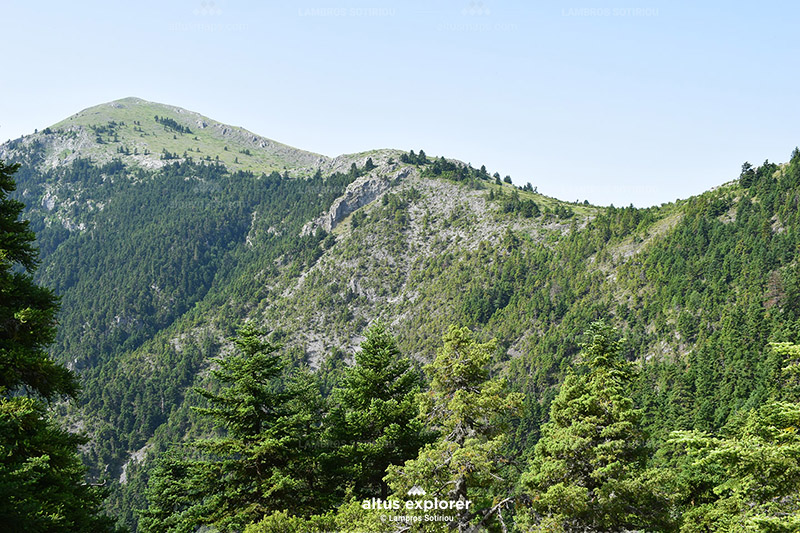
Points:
[171,124]
[588,467]
[527,208]
[466,409]
[375,421]
[42,483]
[747,478]
[153,267]
[27,310]
[43,486]
[148,258]
[442,168]
[259,464]
[414,159]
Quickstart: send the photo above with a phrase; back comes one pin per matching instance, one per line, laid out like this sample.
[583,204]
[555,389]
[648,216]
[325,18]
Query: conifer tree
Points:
[467,410]
[27,311]
[748,477]
[42,485]
[586,473]
[376,419]
[263,462]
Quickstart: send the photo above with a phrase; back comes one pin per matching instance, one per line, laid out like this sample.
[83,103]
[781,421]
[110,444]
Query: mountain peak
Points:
[150,135]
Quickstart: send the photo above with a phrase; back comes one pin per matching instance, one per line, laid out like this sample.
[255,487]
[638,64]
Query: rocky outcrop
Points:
[361,192]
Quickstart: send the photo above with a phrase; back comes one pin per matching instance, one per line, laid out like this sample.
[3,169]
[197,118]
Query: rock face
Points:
[359,193]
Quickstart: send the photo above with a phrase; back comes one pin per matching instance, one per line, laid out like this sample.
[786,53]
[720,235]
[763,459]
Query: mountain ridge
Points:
[157,266]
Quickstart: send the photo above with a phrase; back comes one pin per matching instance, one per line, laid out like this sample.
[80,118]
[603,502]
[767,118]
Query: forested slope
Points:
[157,267]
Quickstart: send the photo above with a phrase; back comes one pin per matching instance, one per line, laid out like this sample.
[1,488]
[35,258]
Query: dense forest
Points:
[294,459]
[42,481]
[510,361]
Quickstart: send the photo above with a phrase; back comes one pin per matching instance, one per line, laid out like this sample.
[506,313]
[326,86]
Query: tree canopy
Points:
[587,471]
[42,480]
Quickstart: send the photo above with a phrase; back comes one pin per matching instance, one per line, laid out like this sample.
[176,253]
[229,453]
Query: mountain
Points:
[150,135]
[162,230]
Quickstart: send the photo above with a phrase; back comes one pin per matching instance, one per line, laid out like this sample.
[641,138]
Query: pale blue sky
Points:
[614,101]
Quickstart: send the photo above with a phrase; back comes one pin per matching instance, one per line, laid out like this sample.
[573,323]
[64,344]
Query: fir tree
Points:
[747,176]
[265,460]
[42,486]
[587,469]
[467,410]
[748,477]
[377,415]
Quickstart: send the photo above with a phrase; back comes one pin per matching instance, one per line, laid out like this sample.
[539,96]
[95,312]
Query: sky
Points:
[612,101]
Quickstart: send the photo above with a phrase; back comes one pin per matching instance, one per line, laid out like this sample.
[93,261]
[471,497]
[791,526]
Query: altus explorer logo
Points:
[377,504]
[416,490]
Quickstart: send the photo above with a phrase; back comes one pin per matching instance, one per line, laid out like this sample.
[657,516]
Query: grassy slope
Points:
[208,138]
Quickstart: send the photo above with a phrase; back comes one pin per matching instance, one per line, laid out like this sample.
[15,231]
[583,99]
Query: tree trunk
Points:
[459,492]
